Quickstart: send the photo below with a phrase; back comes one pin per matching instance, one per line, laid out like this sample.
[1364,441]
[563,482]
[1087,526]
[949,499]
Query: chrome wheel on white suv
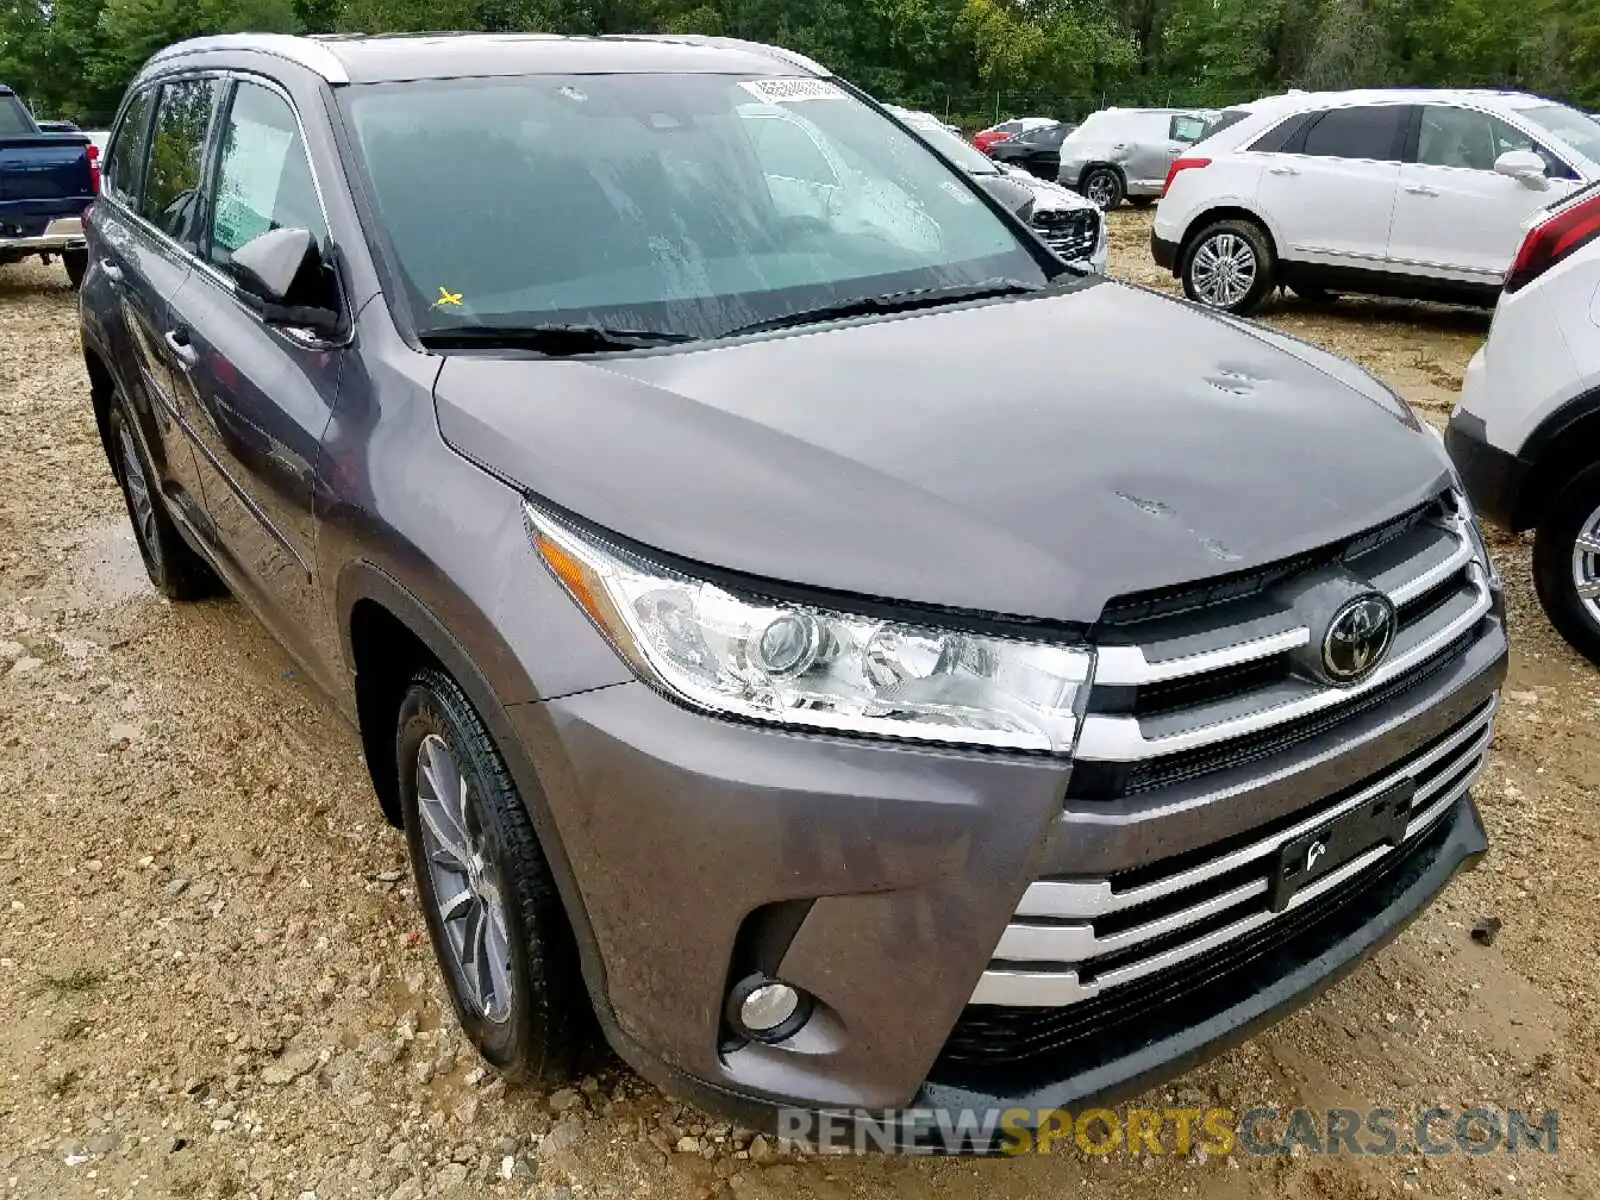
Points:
[1229,265]
[1566,563]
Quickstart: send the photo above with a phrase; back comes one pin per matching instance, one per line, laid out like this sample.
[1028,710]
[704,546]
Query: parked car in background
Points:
[1415,193]
[768,659]
[46,181]
[1526,435]
[1008,129]
[1123,153]
[1038,151]
[1070,225]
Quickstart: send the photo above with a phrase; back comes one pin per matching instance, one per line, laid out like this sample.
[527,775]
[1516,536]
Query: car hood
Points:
[1033,457]
[1047,196]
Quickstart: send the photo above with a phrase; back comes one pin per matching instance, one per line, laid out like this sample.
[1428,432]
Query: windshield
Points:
[1576,129]
[954,147]
[14,119]
[687,204]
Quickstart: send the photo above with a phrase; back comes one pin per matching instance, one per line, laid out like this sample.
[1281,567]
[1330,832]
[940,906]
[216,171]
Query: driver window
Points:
[177,150]
[263,178]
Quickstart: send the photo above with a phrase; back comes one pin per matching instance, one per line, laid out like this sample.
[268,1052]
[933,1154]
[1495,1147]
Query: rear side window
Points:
[1052,135]
[1282,135]
[264,179]
[125,158]
[1187,128]
[14,119]
[1371,132]
[177,152]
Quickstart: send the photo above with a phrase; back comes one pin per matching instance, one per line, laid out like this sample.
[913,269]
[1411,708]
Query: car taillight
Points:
[1558,236]
[1182,164]
[94,168]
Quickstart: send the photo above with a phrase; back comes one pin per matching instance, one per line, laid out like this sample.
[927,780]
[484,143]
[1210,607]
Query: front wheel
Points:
[1229,265]
[1566,564]
[1104,187]
[499,930]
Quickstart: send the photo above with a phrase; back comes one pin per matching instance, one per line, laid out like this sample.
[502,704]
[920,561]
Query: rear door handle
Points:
[1283,170]
[1417,189]
[180,345]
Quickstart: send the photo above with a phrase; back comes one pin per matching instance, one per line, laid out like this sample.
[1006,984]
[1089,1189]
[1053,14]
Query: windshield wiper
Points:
[557,341]
[891,302]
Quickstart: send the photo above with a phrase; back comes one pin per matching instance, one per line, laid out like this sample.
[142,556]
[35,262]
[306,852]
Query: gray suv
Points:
[843,712]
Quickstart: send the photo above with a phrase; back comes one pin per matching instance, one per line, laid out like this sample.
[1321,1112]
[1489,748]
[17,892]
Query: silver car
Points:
[1124,153]
[1070,225]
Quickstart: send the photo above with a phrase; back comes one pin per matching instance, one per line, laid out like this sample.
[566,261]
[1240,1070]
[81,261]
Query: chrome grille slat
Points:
[1016,988]
[1067,899]
[1113,738]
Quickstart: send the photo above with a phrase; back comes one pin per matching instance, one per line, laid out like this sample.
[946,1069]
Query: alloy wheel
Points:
[1224,270]
[467,890]
[1101,188]
[139,498]
[1586,565]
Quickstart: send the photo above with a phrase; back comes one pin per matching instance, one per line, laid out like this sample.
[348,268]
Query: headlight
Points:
[805,667]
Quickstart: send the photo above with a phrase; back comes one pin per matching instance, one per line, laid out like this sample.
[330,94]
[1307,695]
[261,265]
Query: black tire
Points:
[1104,186]
[1141,201]
[177,572]
[1576,512]
[1224,238]
[547,1025]
[77,264]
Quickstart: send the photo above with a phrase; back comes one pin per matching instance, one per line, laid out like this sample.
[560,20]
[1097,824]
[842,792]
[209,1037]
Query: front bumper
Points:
[1165,252]
[1494,478]
[880,879]
[64,233]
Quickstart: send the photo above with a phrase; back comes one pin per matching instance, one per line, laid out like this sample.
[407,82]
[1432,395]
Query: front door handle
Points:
[1418,189]
[1283,170]
[182,348]
[113,273]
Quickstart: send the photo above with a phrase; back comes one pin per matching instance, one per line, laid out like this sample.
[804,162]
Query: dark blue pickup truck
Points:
[46,181]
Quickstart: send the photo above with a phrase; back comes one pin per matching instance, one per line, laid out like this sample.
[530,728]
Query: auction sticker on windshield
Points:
[792,91]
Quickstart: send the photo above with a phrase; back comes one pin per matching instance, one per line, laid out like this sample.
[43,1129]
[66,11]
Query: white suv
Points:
[1419,194]
[1526,435]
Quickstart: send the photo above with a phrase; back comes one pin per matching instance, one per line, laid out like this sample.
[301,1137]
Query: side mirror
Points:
[280,275]
[1526,167]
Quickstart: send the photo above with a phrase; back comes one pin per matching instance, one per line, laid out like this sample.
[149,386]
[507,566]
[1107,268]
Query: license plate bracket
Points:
[1379,821]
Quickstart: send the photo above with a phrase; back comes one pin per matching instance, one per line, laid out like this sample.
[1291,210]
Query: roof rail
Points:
[312,55]
[788,57]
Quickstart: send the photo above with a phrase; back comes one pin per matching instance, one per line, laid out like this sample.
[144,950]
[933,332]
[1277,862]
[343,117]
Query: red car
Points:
[1007,130]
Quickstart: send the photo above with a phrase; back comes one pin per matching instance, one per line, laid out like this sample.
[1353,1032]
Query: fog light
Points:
[766,1010]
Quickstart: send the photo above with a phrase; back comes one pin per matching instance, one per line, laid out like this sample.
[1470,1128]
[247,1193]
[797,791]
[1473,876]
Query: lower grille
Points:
[1014,1049]
[1073,233]
[1073,939]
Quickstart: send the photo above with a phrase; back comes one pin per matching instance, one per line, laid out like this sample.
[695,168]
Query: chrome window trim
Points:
[305,52]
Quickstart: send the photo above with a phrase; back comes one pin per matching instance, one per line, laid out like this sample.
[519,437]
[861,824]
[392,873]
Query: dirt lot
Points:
[214,981]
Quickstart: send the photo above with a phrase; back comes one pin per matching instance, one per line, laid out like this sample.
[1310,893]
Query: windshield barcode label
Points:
[792,91]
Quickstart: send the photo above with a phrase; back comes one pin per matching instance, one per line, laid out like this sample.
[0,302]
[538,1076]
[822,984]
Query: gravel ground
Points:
[214,980]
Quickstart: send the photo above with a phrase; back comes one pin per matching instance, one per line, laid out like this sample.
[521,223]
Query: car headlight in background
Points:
[811,668]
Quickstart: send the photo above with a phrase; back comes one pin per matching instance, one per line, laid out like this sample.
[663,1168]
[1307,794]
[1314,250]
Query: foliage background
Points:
[972,60]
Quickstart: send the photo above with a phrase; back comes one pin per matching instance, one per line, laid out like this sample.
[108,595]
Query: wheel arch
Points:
[391,631]
[1560,448]
[1225,212]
